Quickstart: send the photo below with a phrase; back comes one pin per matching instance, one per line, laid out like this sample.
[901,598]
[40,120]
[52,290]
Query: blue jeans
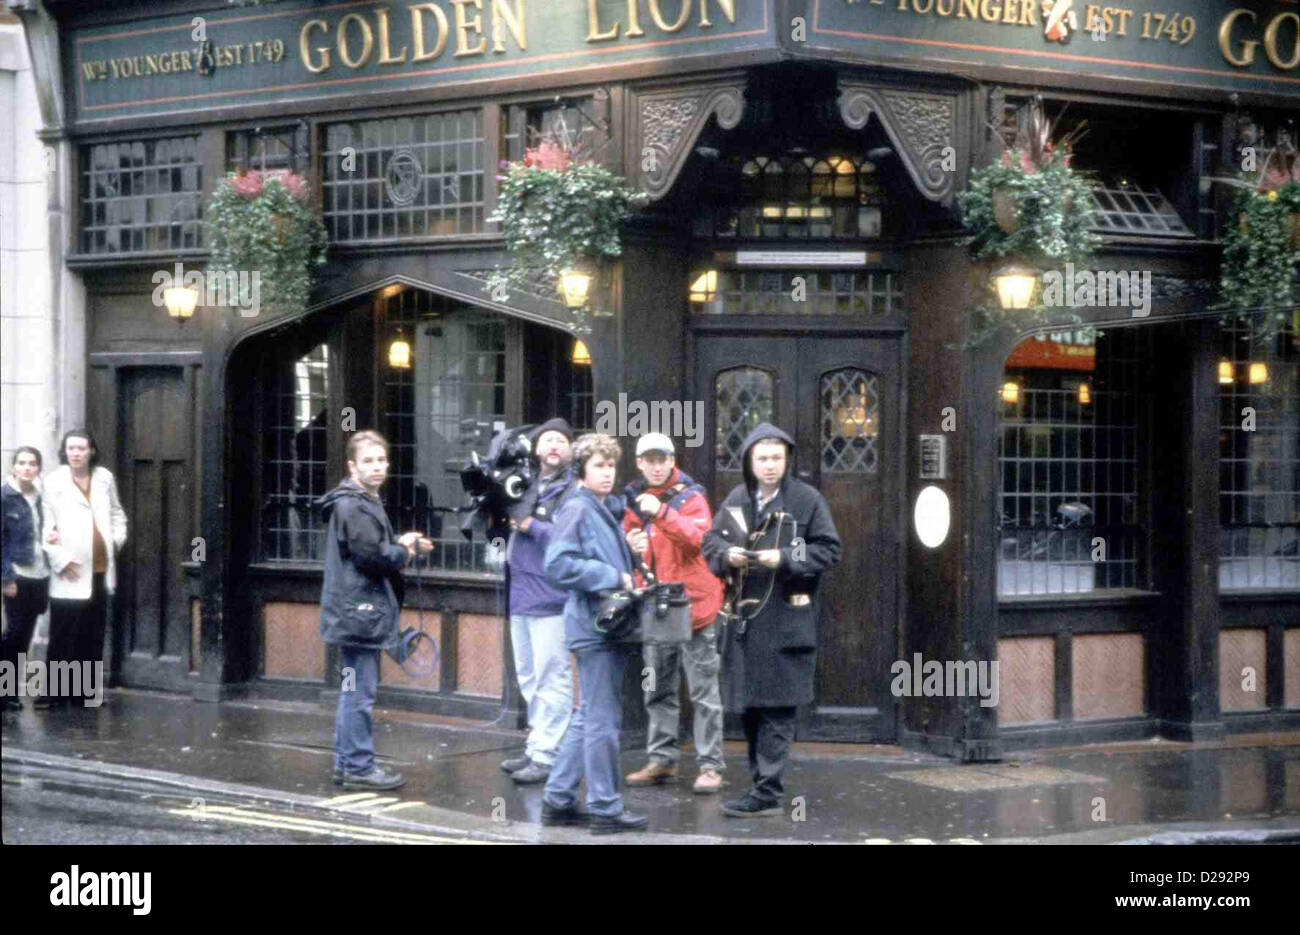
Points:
[542,664]
[590,745]
[354,743]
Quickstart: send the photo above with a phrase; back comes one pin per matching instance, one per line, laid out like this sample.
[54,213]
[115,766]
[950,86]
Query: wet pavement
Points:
[281,753]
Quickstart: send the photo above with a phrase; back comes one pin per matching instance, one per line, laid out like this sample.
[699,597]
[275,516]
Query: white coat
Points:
[68,514]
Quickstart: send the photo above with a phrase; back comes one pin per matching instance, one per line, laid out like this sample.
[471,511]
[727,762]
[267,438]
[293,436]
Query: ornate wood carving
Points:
[922,128]
[668,124]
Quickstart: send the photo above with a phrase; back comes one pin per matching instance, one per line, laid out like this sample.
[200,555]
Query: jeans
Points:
[700,659]
[354,742]
[769,732]
[21,612]
[590,745]
[545,681]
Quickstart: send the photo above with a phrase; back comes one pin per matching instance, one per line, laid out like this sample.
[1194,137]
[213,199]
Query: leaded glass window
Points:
[850,422]
[141,196]
[580,126]
[266,149]
[743,397]
[1071,456]
[294,464]
[1259,456]
[404,177]
[796,292]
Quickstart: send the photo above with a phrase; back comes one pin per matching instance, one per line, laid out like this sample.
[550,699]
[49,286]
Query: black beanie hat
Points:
[553,425]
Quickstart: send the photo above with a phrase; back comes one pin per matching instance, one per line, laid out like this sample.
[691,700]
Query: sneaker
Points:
[652,774]
[750,806]
[708,782]
[514,764]
[531,774]
[616,824]
[375,779]
[558,817]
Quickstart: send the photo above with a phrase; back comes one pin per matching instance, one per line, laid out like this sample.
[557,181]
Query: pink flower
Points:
[1027,162]
[295,184]
[547,156]
[247,184]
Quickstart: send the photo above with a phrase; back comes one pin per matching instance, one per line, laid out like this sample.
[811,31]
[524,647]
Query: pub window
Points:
[793,196]
[448,403]
[743,400]
[141,196]
[799,292]
[1071,459]
[264,149]
[294,465]
[404,177]
[1259,465]
[580,126]
[850,421]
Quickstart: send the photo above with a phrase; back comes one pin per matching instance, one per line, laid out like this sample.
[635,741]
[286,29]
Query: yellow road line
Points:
[290,823]
[368,804]
[343,799]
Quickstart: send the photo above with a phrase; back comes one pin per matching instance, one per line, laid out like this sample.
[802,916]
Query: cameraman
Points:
[588,555]
[666,519]
[537,608]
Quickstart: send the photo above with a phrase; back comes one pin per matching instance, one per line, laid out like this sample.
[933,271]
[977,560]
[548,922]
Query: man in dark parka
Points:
[771,649]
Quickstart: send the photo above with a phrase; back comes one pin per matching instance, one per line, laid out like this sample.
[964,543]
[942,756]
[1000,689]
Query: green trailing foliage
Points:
[1261,250]
[265,223]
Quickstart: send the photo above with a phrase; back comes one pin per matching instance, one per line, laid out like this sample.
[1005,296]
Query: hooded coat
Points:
[773,663]
[362,593]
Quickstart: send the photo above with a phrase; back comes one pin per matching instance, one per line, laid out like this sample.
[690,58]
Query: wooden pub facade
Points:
[801,260]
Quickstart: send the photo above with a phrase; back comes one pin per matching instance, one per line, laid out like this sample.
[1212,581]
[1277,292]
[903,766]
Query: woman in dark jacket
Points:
[588,554]
[26,571]
[771,650]
[360,601]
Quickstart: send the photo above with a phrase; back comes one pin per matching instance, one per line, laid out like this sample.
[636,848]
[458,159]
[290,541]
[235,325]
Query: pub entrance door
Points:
[839,397]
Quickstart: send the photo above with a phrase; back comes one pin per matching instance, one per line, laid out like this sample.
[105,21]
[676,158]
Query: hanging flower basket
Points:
[265,223]
[1261,253]
[559,213]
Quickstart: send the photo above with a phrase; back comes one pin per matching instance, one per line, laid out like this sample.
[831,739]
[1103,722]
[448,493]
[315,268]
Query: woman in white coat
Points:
[85,526]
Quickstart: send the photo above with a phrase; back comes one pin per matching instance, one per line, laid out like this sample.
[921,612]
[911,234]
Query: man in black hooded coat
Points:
[771,642]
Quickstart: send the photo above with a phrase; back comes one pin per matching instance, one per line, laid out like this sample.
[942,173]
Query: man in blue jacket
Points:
[537,608]
[360,601]
[588,554]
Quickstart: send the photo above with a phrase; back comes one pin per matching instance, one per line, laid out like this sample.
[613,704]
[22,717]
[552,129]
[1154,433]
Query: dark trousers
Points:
[354,739]
[21,612]
[77,627]
[769,732]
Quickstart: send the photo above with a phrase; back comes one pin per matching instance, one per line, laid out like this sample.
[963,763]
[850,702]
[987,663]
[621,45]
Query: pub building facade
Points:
[800,260]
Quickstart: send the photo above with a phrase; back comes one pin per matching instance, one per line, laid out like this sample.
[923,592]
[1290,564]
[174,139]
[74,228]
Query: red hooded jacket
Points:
[675,537]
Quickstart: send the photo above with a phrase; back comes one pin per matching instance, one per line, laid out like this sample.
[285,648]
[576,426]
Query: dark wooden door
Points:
[155,483]
[839,397]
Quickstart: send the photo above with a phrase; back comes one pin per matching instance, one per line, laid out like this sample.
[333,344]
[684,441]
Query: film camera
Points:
[497,483]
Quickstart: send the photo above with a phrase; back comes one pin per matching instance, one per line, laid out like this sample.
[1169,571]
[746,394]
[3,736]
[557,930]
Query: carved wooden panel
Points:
[668,124]
[921,126]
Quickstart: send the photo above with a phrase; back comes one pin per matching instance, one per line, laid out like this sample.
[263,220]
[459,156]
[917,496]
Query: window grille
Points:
[294,462]
[405,177]
[436,412]
[1259,466]
[1070,460]
[263,150]
[581,126]
[1124,207]
[141,197]
[799,292]
[743,397]
[850,420]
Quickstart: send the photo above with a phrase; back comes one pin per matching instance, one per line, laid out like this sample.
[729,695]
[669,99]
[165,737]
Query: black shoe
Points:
[555,817]
[13,704]
[514,764]
[615,824]
[46,702]
[531,774]
[750,806]
[375,779]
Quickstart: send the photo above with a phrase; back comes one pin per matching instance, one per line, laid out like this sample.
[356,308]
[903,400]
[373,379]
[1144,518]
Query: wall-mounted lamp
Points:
[1085,394]
[399,353]
[1226,376]
[575,284]
[1015,285]
[580,356]
[1010,392]
[180,301]
[1258,372]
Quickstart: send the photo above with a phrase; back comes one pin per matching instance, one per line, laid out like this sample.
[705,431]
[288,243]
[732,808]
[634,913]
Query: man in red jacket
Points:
[666,519]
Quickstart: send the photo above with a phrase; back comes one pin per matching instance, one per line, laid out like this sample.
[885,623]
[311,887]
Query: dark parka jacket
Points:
[772,664]
[362,593]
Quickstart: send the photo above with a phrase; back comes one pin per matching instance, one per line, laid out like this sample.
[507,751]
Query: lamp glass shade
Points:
[1015,285]
[1258,372]
[1085,394]
[581,355]
[1010,392]
[574,283]
[1225,372]
[180,301]
[399,354]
